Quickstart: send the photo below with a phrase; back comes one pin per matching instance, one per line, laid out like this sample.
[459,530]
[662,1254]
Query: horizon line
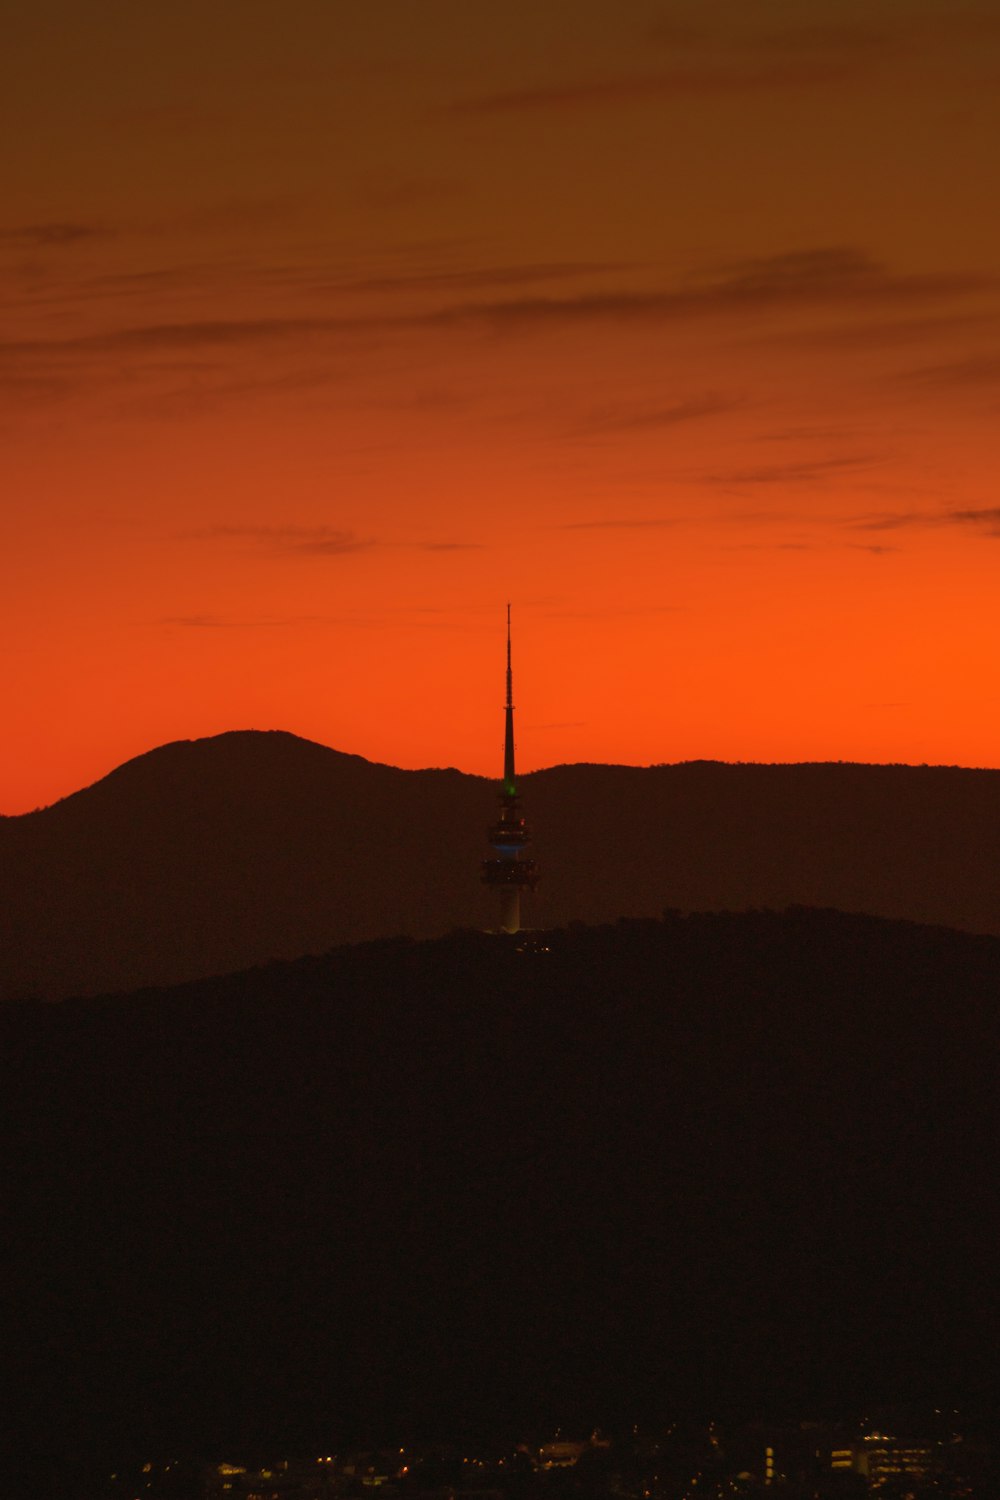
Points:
[479,776]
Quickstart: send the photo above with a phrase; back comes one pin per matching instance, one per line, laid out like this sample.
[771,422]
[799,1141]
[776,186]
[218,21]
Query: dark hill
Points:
[205,856]
[718,1164]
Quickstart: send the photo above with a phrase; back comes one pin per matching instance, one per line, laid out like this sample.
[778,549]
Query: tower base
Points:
[510,908]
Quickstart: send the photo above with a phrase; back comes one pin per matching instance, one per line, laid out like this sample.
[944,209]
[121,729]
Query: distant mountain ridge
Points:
[211,855]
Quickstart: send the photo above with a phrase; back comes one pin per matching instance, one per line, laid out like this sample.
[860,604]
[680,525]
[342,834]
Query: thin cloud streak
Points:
[286,541]
[640,418]
[53,236]
[804,471]
[619,523]
[835,277]
[315,541]
[486,276]
[450,546]
[978,370]
[985,519]
[711,63]
[206,278]
[566,724]
[862,42]
[627,89]
[862,336]
[160,337]
[614,612]
[263,622]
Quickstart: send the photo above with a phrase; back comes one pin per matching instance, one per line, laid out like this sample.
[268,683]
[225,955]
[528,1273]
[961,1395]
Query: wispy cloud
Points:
[407,617]
[839,272]
[252,622]
[310,278]
[450,546]
[23,388]
[862,335]
[289,541]
[166,369]
[802,471]
[820,544]
[839,277]
[633,88]
[643,416]
[619,523]
[314,541]
[832,277]
[475,277]
[857,41]
[158,338]
[202,390]
[771,546]
[892,520]
[705,60]
[984,519]
[806,432]
[977,370]
[613,611]
[740,37]
[52,235]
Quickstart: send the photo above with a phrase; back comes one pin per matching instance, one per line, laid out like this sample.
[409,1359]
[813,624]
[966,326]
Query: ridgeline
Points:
[206,856]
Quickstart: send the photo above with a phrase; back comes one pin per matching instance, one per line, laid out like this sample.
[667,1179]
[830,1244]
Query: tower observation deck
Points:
[509,871]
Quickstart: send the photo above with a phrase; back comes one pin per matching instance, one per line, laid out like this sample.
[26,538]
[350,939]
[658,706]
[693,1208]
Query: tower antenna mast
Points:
[509,871]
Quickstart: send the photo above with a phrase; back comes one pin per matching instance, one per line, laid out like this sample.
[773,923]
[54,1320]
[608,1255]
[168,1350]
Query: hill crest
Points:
[254,738]
[206,856]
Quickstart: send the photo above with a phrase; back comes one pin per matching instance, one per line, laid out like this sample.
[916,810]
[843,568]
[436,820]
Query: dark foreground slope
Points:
[206,856]
[721,1163]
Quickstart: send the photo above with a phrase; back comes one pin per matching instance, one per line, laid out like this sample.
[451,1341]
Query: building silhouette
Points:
[509,871]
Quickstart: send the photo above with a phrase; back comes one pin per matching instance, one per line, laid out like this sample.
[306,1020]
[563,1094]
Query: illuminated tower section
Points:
[509,872]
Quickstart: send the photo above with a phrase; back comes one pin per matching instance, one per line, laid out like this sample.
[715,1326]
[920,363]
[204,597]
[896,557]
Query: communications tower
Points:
[509,872]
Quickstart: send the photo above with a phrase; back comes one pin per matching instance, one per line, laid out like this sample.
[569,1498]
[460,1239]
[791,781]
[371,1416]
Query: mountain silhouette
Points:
[212,855]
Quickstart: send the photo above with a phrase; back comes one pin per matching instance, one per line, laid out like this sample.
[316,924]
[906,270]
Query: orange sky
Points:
[327,328]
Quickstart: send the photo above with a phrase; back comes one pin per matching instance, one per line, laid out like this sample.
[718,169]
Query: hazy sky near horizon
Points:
[329,327]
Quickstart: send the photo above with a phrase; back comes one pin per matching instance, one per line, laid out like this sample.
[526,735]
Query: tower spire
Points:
[509,835]
[509,778]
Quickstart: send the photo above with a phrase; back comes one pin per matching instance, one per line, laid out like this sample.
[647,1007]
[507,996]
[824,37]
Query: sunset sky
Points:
[329,327]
